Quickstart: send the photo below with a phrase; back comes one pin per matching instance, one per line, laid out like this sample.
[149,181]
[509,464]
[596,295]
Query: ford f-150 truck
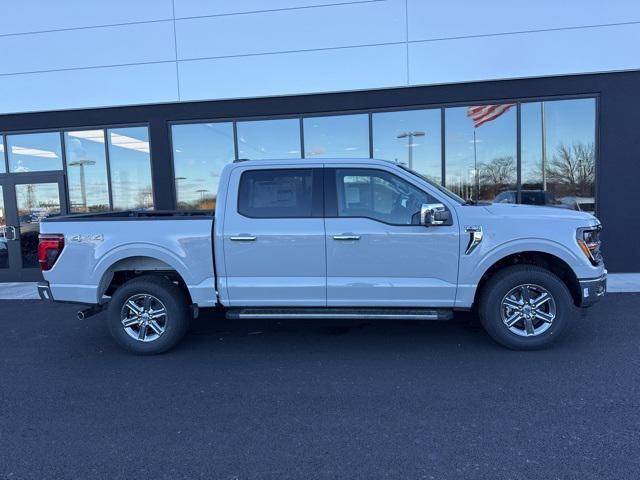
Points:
[345,239]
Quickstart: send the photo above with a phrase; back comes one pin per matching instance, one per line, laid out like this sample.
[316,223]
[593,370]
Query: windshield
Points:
[435,185]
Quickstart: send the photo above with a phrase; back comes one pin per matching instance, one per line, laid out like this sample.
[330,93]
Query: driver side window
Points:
[379,195]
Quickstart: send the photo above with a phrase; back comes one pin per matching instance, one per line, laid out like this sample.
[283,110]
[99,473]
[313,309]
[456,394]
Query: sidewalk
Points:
[616,283]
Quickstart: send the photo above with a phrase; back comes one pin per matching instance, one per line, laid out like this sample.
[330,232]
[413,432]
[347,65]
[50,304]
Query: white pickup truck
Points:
[327,238]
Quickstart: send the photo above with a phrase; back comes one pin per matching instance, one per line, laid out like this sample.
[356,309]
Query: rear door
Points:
[274,237]
[377,252]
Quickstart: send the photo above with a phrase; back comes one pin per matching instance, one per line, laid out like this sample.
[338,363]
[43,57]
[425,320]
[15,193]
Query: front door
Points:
[25,200]
[378,253]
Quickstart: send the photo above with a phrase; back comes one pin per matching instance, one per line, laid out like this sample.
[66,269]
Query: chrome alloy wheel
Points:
[144,317]
[528,310]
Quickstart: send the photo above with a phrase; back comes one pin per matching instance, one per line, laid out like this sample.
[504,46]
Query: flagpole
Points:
[475,167]
[544,148]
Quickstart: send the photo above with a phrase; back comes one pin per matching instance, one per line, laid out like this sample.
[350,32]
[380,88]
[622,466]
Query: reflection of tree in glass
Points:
[496,175]
[573,169]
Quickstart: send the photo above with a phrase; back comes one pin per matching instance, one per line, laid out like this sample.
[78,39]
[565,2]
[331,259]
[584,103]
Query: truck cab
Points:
[329,238]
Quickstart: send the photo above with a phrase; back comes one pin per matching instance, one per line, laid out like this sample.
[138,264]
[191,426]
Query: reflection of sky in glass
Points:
[567,122]
[130,168]
[33,152]
[85,154]
[425,149]
[200,151]
[340,136]
[494,140]
[266,139]
[2,166]
[4,257]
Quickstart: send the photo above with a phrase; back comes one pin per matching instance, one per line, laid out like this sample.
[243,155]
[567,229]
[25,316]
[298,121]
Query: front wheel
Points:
[525,307]
[148,315]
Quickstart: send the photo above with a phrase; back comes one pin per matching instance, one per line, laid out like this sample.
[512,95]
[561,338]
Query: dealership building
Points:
[139,105]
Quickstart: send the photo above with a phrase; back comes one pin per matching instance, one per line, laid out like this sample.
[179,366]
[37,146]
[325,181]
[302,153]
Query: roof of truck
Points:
[313,160]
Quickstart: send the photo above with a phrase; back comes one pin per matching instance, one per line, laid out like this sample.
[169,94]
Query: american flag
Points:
[482,114]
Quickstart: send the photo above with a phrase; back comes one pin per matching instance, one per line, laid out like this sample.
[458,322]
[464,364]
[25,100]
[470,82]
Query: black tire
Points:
[176,321]
[500,284]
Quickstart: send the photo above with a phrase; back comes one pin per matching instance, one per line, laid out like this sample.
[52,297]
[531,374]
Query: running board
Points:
[341,313]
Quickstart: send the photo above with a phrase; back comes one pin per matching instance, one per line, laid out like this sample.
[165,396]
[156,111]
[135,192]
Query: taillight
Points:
[49,249]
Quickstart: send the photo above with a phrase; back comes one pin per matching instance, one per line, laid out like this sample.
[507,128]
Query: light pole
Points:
[202,191]
[83,187]
[409,136]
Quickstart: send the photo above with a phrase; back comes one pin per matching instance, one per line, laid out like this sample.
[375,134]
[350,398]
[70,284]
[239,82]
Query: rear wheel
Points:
[148,315]
[525,307]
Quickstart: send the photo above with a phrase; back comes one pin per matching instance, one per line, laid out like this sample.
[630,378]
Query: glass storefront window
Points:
[87,179]
[558,153]
[200,151]
[411,138]
[266,139]
[2,164]
[4,250]
[481,152]
[340,136]
[34,152]
[130,162]
[35,201]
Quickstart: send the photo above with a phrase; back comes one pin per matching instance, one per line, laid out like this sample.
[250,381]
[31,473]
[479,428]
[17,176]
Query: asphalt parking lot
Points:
[319,399]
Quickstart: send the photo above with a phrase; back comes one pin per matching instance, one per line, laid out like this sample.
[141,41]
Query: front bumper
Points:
[592,290]
[44,291]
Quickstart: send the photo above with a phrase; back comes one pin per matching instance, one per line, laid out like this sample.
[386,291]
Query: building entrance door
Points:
[25,200]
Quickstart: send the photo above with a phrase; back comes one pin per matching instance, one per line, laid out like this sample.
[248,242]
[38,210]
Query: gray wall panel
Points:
[456,18]
[288,73]
[20,16]
[89,88]
[88,47]
[287,30]
[524,55]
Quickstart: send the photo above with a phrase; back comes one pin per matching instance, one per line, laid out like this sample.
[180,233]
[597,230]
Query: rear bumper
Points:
[44,291]
[592,290]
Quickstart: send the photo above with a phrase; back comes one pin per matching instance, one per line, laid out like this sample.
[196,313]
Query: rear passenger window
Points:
[276,193]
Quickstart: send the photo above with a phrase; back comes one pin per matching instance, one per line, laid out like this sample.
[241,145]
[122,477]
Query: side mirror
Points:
[432,214]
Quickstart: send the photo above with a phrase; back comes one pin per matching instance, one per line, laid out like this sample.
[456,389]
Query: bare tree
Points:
[498,172]
[574,168]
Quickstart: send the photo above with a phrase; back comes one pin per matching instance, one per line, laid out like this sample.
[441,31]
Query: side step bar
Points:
[341,313]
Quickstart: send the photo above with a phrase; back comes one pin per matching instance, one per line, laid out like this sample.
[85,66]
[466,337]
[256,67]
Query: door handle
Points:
[243,238]
[346,237]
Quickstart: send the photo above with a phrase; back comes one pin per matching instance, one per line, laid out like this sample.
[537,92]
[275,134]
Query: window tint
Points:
[379,195]
[276,193]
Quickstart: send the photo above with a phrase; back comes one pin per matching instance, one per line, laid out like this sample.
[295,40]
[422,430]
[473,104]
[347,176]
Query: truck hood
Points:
[508,210]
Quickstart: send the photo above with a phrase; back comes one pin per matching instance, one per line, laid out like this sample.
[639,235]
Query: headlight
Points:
[589,241]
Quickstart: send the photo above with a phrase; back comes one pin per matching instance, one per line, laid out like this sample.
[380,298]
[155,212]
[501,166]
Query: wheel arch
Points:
[546,260]
[135,266]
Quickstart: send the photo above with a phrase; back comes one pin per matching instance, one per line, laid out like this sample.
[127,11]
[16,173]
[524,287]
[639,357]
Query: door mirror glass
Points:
[432,214]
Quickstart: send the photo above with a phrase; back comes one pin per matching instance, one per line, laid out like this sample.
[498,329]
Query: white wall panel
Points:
[195,8]
[89,88]
[88,47]
[455,18]
[290,73]
[19,16]
[524,55]
[277,31]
